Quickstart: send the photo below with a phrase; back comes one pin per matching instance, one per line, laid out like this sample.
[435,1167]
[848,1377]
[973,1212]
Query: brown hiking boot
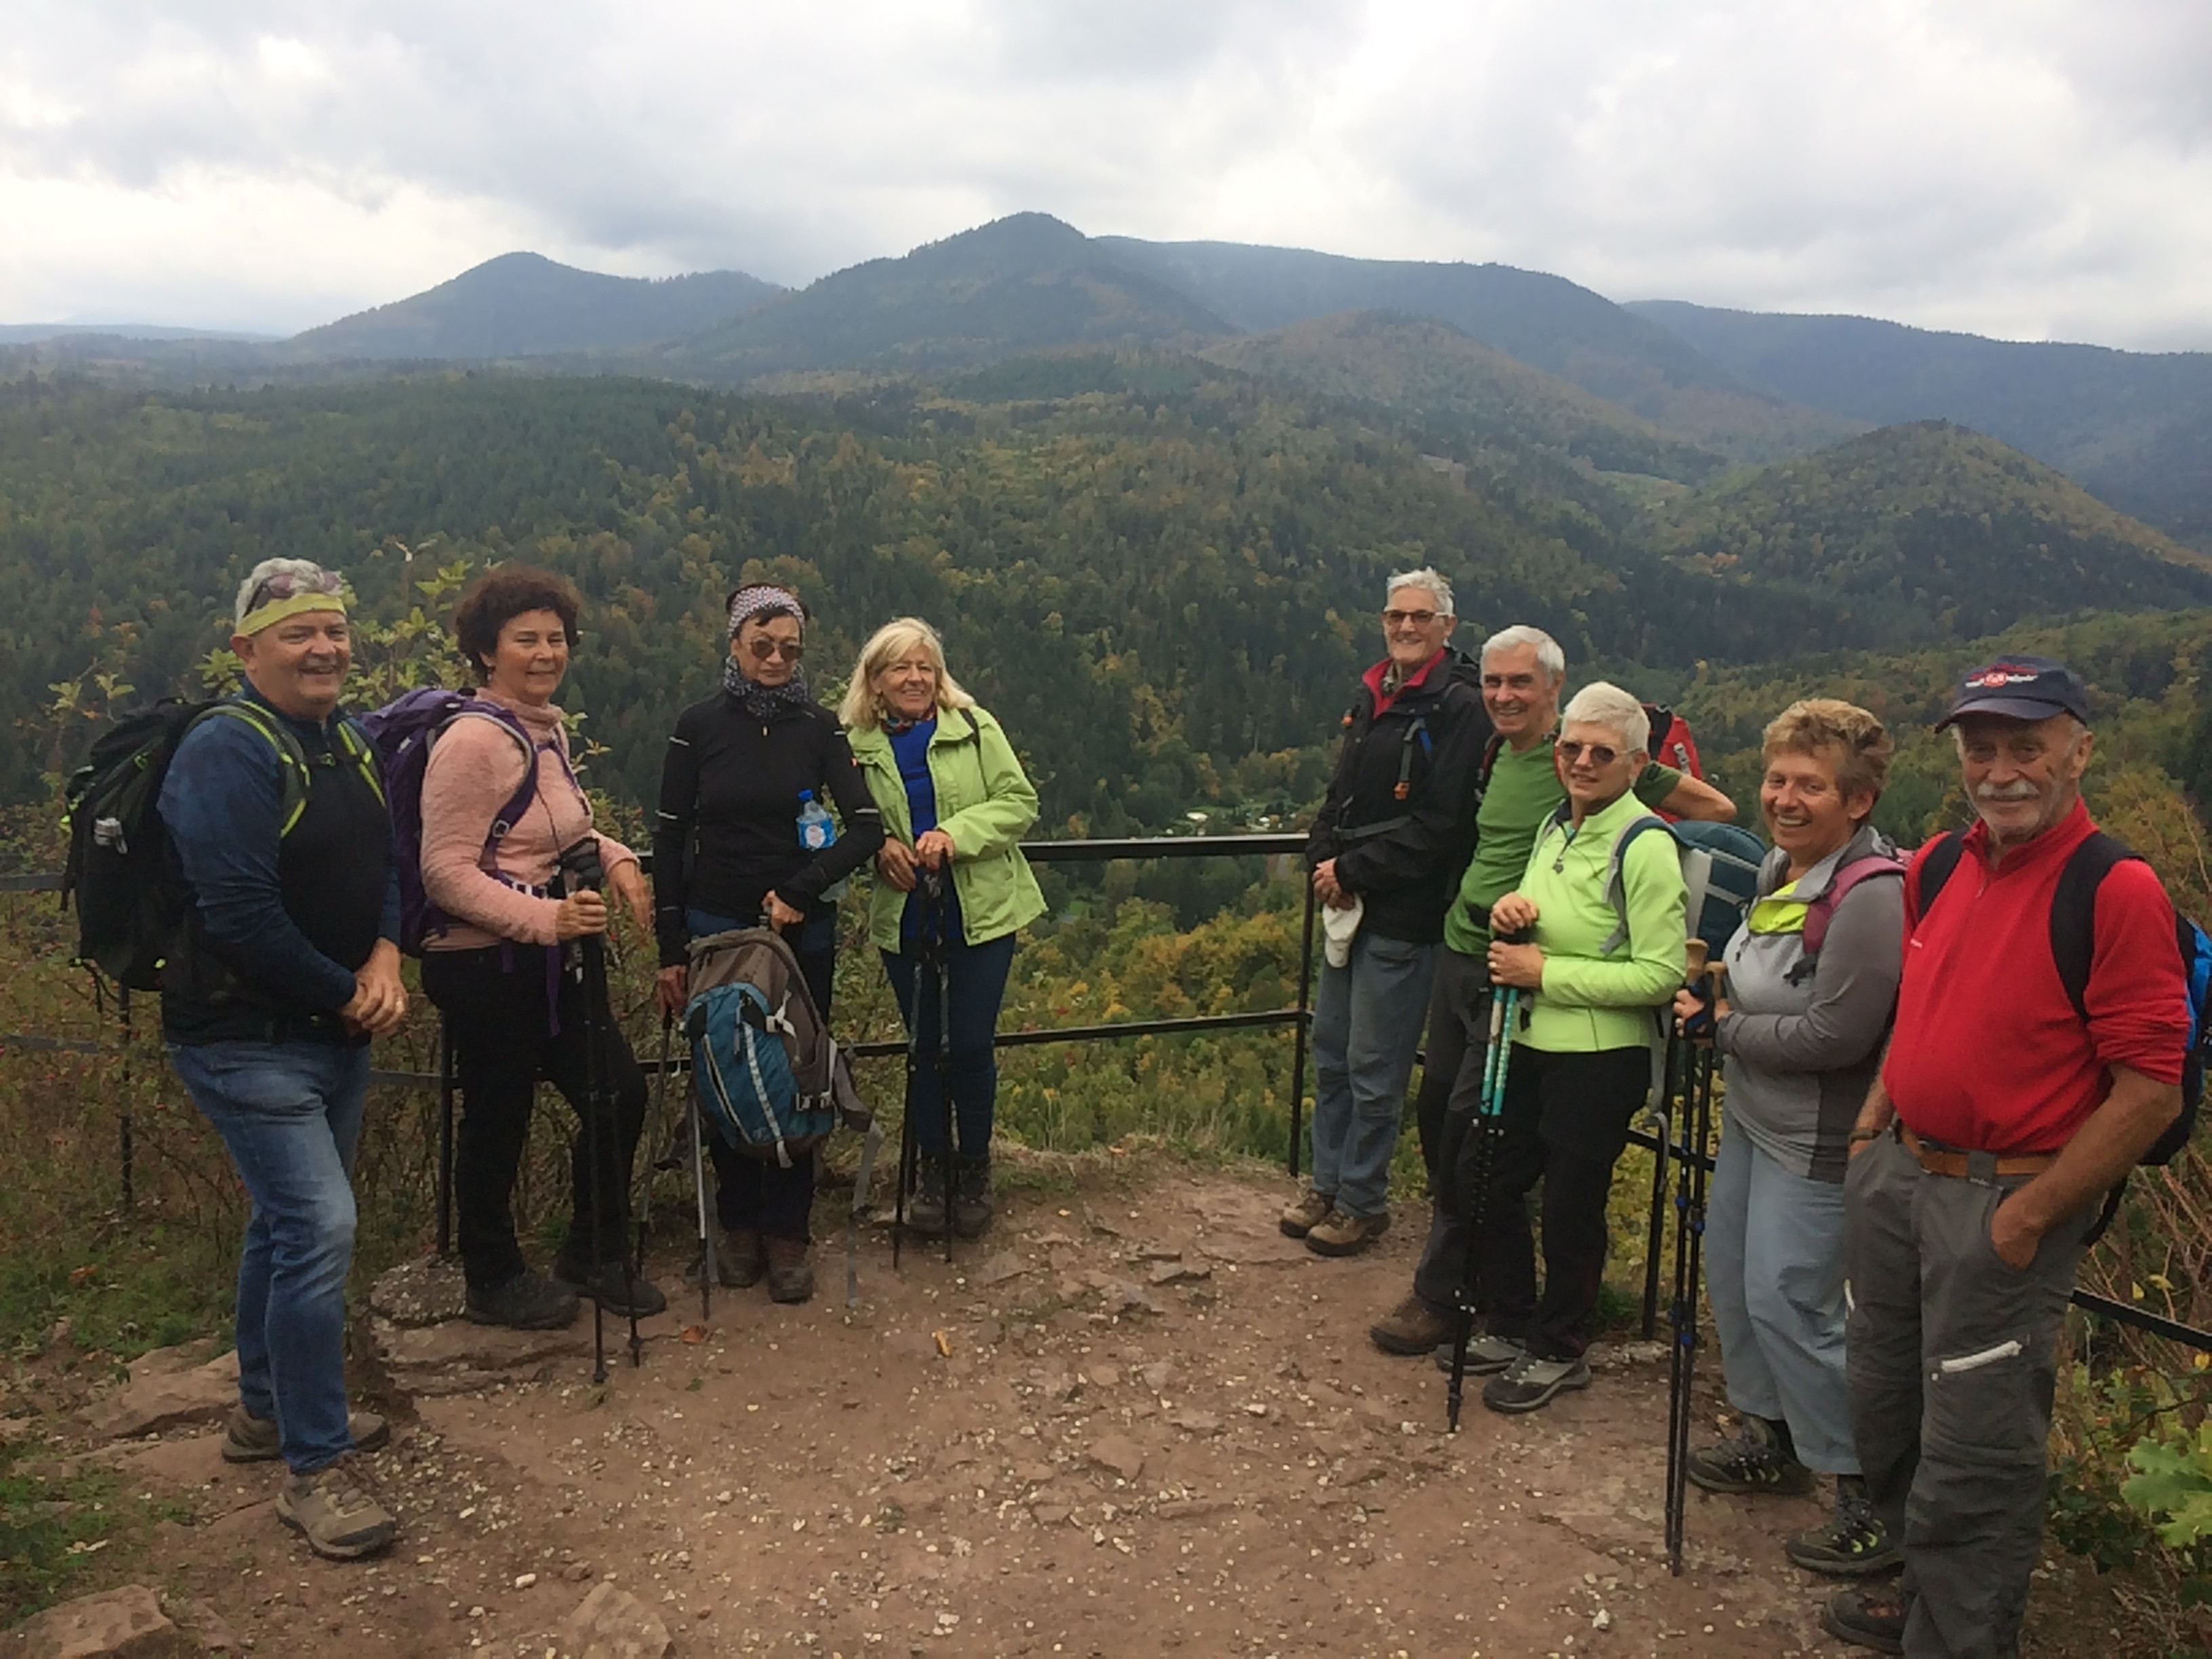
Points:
[790,1274]
[1308,1212]
[1412,1327]
[249,1439]
[335,1511]
[742,1260]
[1346,1234]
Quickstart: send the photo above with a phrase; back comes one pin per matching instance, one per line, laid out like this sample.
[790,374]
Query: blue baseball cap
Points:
[2021,689]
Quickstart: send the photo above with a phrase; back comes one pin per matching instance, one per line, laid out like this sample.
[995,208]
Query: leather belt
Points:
[1949,1161]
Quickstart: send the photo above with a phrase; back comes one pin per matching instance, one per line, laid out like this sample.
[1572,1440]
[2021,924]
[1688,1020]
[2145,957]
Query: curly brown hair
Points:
[1817,725]
[498,597]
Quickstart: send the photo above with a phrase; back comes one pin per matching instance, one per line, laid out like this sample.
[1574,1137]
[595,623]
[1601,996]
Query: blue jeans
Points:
[975,977]
[1774,1273]
[290,1113]
[1366,1025]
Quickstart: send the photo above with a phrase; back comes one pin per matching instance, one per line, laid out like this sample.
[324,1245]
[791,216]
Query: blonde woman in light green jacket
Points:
[1582,1066]
[955,802]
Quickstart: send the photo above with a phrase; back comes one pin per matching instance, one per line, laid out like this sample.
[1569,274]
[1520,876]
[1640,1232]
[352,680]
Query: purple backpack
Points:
[401,734]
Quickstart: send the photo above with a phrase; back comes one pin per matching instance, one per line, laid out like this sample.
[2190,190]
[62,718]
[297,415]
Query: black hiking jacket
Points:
[1402,853]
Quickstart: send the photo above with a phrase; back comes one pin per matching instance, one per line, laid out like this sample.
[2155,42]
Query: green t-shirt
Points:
[1524,791]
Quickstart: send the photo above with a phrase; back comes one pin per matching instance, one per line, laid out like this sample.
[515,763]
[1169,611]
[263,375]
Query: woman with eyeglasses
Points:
[729,849]
[1600,959]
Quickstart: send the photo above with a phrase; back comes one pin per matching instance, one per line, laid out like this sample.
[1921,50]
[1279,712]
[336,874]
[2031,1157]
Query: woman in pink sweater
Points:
[499,964]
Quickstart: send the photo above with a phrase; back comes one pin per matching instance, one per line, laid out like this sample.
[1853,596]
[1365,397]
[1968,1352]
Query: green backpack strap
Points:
[291,775]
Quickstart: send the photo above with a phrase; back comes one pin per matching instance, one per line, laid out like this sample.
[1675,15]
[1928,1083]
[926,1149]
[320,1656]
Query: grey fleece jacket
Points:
[1803,1048]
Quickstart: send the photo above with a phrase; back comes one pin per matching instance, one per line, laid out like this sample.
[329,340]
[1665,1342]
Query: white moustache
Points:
[2022,790]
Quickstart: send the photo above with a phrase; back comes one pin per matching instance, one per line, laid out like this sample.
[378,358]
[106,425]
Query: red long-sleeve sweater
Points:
[1988,1052]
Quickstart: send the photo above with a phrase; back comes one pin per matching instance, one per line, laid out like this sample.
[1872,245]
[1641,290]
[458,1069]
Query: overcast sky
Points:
[2029,168]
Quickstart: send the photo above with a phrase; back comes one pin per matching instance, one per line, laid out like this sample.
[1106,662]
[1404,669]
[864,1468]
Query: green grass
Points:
[56,1533]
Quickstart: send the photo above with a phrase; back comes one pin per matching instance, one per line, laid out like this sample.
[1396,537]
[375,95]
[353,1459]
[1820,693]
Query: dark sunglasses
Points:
[1600,754]
[1400,618]
[763,649]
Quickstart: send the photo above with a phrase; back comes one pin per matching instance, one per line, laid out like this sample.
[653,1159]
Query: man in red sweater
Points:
[2006,1109]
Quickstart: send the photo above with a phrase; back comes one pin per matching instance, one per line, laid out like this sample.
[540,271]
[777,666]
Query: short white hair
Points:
[1549,657]
[1602,703]
[1425,577]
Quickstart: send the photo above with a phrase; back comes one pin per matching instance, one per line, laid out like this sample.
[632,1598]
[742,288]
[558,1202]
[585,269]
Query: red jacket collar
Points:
[2053,845]
[1373,680]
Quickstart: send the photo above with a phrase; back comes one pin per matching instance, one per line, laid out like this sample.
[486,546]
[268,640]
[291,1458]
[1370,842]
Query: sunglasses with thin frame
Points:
[1400,618]
[1601,754]
[763,649]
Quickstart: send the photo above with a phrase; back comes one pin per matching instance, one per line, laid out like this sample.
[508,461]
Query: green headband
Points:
[269,612]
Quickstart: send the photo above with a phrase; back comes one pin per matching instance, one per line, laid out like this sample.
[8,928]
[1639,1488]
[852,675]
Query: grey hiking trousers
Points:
[1952,1357]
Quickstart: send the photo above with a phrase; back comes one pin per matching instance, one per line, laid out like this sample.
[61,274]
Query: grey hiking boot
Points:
[925,1205]
[971,1197]
[790,1272]
[1486,1356]
[1345,1234]
[1754,1461]
[1411,1327]
[527,1302]
[249,1439]
[335,1511]
[1529,1383]
[1853,1544]
[1311,1209]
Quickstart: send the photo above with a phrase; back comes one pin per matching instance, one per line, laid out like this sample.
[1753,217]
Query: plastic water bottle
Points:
[816,830]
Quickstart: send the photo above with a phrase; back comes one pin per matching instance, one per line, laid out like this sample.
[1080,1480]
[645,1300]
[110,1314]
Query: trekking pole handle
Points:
[1703,980]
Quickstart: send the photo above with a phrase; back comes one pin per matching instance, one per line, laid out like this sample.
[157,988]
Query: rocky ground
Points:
[1135,1419]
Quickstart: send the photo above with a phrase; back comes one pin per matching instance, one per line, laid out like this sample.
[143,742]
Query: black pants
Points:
[758,1194]
[1451,1059]
[501,1016]
[1565,1123]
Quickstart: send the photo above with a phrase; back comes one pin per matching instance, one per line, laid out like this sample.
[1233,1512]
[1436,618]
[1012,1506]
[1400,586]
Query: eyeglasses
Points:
[1400,618]
[789,650]
[1570,752]
[283,584]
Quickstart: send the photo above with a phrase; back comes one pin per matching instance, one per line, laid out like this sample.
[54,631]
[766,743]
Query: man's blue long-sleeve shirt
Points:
[222,803]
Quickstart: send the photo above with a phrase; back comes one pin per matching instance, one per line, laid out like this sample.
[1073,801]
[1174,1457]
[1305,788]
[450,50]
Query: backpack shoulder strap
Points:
[1935,869]
[1491,750]
[1822,910]
[2073,913]
[1616,883]
[291,758]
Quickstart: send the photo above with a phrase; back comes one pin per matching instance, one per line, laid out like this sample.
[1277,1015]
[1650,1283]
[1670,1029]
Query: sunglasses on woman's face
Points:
[1570,752]
[789,650]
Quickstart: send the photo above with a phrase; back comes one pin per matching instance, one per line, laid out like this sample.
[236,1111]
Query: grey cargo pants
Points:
[1952,1357]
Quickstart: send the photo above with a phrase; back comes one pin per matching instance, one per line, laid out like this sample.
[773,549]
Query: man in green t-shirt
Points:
[1524,672]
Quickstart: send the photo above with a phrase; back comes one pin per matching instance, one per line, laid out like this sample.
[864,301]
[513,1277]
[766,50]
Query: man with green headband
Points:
[289,965]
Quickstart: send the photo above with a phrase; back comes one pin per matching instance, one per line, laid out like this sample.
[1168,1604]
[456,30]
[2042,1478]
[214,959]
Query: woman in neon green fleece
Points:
[1602,959]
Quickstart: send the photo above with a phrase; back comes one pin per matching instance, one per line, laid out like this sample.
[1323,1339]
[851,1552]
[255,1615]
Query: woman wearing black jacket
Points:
[726,850]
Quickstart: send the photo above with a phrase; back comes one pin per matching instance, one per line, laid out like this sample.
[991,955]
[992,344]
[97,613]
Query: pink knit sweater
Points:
[474,771]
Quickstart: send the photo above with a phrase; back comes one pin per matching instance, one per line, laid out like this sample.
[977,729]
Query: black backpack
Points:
[121,869]
[2073,946]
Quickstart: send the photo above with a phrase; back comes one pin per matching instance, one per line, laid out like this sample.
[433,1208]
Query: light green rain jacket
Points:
[1592,999]
[985,802]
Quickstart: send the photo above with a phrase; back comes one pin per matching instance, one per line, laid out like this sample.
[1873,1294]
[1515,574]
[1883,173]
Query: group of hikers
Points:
[1923,1111]
[1939,1071]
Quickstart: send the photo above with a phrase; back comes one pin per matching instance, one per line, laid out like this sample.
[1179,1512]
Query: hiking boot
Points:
[1754,1461]
[1308,1212]
[613,1287]
[1853,1544]
[1345,1234]
[925,1205]
[1486,1356]
[739,1260]
[1412,1327]
[249,1439]
[790,1274]
[527,1302]
[1867,1617]
[1529,1382]
[971,1197]
[335,1511]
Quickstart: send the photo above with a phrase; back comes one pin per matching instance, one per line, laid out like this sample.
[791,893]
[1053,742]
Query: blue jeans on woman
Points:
[758,1194]
[975,977]
[290,1113]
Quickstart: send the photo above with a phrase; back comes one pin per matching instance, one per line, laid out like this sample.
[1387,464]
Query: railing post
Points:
[1301,1028]
[122,1125]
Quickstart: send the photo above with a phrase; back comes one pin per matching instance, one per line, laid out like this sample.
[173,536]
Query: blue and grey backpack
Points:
[769,1078]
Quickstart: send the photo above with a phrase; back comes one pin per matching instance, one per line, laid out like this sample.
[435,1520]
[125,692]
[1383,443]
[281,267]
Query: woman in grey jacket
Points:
[1812,988]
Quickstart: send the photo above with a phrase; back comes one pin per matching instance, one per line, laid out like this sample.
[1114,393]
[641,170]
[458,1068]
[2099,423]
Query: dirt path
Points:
[1134,1420]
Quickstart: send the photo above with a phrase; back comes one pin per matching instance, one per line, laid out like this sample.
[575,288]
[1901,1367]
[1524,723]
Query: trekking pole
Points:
[652,1167]
[1655,1240]
[1497,1065]
[580,873]
[1693,1120]
[939,957]
[699,1182]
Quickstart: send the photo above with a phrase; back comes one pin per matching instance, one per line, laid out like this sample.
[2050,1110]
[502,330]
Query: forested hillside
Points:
[1161,573]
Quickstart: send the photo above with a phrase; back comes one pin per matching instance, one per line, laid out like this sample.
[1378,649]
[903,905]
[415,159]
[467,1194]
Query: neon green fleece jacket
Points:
[1591,1001]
